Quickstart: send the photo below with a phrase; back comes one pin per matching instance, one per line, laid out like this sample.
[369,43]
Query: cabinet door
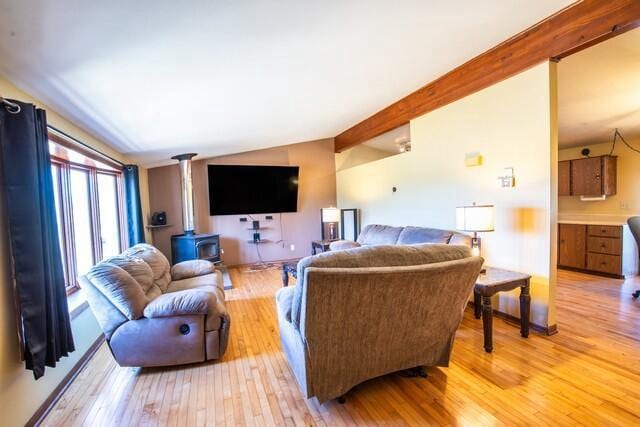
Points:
[564,178]
[586,176]
[572,245]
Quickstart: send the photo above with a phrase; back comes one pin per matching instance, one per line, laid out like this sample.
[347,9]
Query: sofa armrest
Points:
[191,268]
[187,302]
[339,245]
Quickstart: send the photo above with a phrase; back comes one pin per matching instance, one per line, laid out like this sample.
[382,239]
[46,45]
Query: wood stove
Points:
[195,246]
[190,245]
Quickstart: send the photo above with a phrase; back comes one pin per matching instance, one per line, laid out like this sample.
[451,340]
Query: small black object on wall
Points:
[159,218]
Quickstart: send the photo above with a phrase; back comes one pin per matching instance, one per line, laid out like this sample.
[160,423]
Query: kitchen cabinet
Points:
[589,176]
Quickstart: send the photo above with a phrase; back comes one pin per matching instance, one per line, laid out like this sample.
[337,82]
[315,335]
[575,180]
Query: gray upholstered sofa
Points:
[155,315]
[375,234]
[360,313]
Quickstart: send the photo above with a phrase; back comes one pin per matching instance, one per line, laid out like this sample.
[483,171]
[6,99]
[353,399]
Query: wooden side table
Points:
[289,268]
[488,284]
[319,246]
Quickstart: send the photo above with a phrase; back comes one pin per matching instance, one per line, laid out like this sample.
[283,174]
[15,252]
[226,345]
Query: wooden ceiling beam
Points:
[571,29]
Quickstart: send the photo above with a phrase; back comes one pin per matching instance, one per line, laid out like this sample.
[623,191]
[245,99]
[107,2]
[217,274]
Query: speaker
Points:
[159,218]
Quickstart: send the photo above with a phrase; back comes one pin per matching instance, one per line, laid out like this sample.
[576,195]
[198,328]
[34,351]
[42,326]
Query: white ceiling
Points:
[599,90]
[157,78]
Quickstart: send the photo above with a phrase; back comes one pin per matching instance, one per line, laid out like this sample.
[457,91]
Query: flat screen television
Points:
[242,190]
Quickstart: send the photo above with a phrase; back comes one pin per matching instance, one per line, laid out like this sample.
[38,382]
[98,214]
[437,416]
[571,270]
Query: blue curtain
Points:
[43,315]
[133,207]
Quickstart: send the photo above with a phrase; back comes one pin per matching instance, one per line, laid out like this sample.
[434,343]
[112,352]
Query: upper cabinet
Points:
[589,176]
[564,178]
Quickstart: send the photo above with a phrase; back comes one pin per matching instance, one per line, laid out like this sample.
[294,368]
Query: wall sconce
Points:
[507,180]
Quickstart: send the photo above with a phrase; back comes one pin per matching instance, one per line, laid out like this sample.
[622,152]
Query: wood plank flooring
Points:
[589,373]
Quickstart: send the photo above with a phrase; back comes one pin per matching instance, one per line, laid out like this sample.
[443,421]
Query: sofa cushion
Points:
[284,298]
[139,270]
[156,260]
[191,268]
[415,235]
[340,245]
[375,234]
[120,288]
[374,256]
[213,280]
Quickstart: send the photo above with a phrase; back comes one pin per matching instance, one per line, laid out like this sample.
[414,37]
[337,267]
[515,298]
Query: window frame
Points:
[65,214]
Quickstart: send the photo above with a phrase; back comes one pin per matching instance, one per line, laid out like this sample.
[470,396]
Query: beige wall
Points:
[626,202]
[20,394]
[511,124]
[317,189]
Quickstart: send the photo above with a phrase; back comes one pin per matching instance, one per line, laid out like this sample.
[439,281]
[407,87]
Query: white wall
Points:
[20,394]
[512,124]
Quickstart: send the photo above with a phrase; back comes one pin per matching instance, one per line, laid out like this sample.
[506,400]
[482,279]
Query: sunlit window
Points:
[88,201]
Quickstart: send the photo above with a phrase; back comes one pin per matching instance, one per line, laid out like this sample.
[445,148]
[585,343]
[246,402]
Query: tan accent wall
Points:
[20,394]
[511,124]
[317,189]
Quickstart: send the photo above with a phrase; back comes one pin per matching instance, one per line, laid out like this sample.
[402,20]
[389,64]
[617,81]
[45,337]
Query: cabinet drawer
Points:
[604,230]
[604,263]
[604,245]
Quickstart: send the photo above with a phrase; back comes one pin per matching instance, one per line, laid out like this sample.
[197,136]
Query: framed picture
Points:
[349,224]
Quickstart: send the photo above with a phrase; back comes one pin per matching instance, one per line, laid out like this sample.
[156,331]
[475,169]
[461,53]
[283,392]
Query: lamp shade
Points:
[474,218]
[330,215]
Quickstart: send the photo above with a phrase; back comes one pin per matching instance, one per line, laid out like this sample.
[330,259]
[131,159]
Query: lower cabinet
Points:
[593,248]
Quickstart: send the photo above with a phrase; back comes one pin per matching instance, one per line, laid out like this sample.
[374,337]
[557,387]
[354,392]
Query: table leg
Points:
[285,277]
[525,309]
[477,305]
[487,323]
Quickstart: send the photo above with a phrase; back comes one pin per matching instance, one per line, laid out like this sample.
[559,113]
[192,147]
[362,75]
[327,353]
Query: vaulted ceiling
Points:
[157,78]
[599,91]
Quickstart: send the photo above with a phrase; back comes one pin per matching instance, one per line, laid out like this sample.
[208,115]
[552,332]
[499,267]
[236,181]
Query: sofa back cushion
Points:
[119,288]
[415,235]
[140,271]
[376,234]
[157,261]
[374,256]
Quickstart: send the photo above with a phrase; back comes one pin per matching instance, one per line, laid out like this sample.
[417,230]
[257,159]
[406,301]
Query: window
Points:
[88,197]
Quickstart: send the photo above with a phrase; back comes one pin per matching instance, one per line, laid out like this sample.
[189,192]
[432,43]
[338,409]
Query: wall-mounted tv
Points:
[242,190]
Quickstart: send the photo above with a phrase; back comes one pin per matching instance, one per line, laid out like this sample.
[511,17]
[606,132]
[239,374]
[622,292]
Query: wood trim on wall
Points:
[43,410]
[574,28]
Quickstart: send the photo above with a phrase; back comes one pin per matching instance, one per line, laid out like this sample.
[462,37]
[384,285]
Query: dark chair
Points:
[634,226]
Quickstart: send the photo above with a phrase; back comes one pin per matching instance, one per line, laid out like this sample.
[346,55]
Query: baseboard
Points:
[545,330]
[43,410]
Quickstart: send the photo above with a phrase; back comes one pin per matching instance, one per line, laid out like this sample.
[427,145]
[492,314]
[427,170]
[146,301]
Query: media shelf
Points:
[259,241]
[259,228]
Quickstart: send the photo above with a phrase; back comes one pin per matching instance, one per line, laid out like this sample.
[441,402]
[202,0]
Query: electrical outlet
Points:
[624,204]
[292,247]
[222,251]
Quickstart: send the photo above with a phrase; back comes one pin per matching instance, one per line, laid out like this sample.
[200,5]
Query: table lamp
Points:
[475,218]
[331,216]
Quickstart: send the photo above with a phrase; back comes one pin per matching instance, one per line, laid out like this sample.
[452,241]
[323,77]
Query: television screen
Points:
[241,190]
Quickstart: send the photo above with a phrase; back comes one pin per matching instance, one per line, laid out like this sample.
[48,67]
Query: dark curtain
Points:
[33,233]
[135,227]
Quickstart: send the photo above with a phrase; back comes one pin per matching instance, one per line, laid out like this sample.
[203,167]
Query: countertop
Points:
[593,222]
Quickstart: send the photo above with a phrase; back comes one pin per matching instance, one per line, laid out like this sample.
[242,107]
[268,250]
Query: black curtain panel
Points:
[135,227]
[33,233]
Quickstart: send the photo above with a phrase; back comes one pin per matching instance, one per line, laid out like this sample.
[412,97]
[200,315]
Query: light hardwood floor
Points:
[589,373]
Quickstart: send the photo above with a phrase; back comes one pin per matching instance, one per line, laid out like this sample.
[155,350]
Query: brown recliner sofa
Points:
[153,314]
[360,313]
